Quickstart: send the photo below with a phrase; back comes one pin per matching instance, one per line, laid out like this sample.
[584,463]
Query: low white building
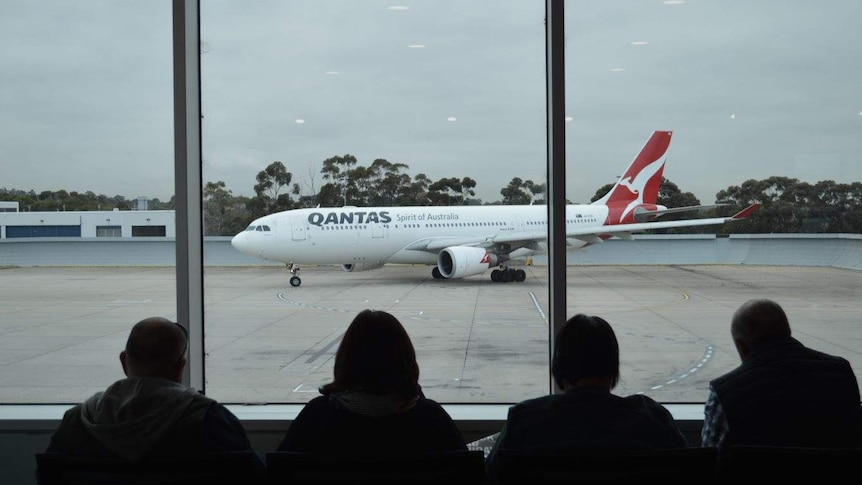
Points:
[85,224]
[9,206]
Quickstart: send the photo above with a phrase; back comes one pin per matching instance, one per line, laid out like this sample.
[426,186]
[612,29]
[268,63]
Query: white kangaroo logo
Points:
[637,184]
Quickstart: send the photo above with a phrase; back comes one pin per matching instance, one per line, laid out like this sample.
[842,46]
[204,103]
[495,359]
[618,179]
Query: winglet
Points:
[746,212]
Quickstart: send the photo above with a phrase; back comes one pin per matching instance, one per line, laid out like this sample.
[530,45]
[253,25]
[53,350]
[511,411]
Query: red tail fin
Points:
[640,183]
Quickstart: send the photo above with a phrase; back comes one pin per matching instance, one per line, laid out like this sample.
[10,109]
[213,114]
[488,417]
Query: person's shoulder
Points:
[430,407]
[319,401]
[425,401]
[535,404]
[830,357]
[72,414]
[218,411]
[318,404]
[425,404]
[643,401]
[538,401]
[74,409]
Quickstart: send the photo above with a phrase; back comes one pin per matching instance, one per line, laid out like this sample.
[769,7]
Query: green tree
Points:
[361,186]
[775,213]
[223,213]
[389,182]
[416,192]
[336,170]
[330,196]
[451,191]
[270,183]
[521,192]
[791,206]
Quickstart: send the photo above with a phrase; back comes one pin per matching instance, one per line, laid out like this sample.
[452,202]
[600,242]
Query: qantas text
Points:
[319,219]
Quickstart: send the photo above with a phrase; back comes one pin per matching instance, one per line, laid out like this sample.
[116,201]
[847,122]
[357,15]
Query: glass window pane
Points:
[376,108]
[763,104]
[86,151]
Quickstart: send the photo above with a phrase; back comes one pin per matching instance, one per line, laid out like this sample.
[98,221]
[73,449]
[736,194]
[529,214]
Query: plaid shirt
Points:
[714,422]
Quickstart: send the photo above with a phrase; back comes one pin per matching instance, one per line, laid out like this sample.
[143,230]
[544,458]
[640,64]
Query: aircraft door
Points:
[517,224]
[378,231]
[297,229]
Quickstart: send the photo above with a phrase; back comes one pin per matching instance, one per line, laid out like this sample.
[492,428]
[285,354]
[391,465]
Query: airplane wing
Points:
[589,234]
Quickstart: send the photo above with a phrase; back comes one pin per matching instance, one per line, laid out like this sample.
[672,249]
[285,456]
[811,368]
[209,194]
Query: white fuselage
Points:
[373,236]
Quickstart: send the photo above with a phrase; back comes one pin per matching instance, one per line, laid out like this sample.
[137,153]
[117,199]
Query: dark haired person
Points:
[783,393]
[586,367]
[374,405]
[150,415]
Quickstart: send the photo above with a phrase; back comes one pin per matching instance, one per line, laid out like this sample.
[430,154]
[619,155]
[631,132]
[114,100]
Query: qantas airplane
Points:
[463,241]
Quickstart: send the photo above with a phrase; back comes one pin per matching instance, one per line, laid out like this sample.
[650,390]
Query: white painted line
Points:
[538,307]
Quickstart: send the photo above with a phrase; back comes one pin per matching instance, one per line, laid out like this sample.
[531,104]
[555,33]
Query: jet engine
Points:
[361,266]
[461,261]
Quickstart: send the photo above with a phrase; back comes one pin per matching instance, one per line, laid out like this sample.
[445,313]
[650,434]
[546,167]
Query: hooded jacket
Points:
[148,418]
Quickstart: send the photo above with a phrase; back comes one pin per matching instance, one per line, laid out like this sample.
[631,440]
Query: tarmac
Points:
[62,328]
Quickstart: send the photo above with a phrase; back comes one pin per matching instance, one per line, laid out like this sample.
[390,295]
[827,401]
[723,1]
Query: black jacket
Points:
[587,417]
[324,426]
[785,394]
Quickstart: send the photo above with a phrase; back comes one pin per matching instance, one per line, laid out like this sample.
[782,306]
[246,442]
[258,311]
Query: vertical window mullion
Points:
[187,167]
[556,198]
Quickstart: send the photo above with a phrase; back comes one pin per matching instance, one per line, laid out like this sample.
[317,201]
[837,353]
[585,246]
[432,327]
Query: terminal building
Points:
[85,224]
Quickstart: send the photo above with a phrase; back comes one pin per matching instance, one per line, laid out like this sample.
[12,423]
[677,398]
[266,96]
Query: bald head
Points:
[156,348]
[756,321]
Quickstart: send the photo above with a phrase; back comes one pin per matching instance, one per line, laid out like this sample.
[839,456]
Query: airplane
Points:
[462,241]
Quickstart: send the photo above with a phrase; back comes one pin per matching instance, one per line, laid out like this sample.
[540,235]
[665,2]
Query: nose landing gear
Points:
[295,281]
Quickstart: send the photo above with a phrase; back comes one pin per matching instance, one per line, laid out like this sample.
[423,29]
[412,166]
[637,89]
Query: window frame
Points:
[189,179]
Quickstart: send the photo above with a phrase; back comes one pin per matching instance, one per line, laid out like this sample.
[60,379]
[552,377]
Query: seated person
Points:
[783,393]
[373,406]
[586,366]
[150,415]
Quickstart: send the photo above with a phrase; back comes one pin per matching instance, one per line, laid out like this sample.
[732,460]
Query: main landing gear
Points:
[505,275]
[294,274]
[502,275]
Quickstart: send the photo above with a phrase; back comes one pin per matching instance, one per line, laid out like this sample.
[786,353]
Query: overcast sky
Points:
[750,88]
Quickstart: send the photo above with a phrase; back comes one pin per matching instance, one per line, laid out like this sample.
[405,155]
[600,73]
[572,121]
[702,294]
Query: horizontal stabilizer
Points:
[745,212]
[643,216]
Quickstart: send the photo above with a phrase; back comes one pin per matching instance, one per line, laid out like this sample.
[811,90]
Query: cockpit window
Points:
[258,228]
[250,228]
[265,228]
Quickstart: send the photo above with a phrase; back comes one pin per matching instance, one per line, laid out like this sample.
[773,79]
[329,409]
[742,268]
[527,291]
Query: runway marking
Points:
[538,306]
[324,349]
[708,355]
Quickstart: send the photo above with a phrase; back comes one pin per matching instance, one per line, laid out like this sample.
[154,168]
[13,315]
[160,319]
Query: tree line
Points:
[788,205]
